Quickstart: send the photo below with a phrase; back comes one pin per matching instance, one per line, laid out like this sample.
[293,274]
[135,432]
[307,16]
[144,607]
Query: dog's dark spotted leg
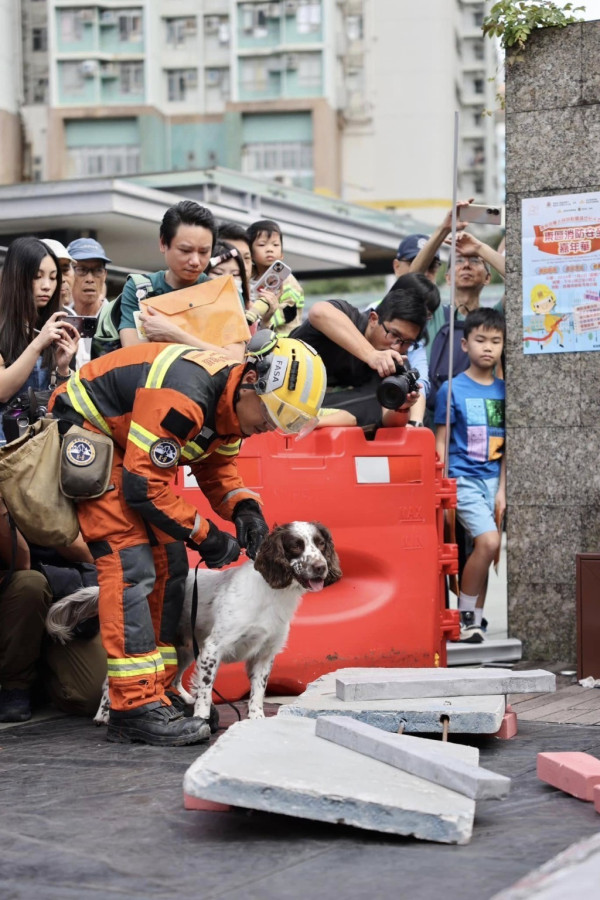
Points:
[204,677]
[258,673]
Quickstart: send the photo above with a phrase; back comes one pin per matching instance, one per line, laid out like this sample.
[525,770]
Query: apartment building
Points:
[352,98]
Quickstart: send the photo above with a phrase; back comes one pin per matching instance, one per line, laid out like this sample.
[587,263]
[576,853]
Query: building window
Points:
[254,19]
[40,91]
[478,18]
[309,70]
[478,85]
[478,184]
[131,78]
[291,156]
[180,29]
[478,50]
[73,81]
[308,17]
[179,83]
[217,27]
[130,25]
[354,28]
[217,78]
[105,160]
[254,74]
[39,39]
[71,25]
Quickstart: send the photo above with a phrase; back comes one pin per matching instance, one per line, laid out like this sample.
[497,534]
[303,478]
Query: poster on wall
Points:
[561,273]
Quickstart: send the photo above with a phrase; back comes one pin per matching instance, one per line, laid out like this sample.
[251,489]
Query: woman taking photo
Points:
[36,343]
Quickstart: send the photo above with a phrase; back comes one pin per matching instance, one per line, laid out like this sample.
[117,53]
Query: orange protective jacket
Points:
[165,405]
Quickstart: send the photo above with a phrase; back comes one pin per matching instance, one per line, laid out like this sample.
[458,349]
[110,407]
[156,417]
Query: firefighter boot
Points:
[156,724]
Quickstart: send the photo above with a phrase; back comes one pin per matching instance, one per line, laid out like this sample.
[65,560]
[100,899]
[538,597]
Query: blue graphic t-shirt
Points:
[477,426]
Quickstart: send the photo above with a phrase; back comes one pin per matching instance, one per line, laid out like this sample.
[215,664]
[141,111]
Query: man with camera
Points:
[361,348]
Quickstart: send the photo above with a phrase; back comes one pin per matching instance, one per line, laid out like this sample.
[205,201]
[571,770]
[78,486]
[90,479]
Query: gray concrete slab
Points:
[280,766]
[501,650]
[466,715]
[573,873]
[390,684]
[420,756]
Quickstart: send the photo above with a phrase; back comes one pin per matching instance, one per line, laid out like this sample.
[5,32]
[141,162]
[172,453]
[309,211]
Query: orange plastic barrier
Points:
[383,501]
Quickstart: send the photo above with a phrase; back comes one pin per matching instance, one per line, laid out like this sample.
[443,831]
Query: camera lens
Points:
[392,391]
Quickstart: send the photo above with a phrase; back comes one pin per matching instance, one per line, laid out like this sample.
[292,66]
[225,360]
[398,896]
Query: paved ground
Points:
[84,819]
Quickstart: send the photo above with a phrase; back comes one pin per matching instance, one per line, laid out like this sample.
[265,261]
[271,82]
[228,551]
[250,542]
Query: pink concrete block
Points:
[597,798]
[190,802]
[575,773]
[508,728]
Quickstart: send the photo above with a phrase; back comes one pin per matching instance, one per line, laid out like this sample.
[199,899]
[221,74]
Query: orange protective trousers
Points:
[141,574]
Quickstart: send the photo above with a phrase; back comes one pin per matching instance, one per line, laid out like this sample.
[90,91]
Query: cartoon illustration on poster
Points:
[561,273]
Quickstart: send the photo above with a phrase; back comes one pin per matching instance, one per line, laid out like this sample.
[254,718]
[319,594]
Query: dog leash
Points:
[195,642]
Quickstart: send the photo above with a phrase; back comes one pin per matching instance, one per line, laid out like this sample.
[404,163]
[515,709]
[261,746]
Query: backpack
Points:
[106,337]
[439,359]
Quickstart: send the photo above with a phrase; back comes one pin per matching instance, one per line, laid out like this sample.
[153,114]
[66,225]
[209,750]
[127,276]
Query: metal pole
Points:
[452,291]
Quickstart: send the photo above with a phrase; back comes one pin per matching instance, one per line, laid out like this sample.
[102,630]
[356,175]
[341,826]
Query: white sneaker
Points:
[470,633]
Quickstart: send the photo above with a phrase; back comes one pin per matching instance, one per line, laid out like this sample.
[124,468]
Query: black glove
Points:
[250,526]
[218,548]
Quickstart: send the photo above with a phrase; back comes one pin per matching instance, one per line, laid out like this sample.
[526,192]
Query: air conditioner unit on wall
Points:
[211,24]
[190,26]
[89,68]
[107,17]
[290,7]
[88,15]
[274,11]
[191,77]
[290,61]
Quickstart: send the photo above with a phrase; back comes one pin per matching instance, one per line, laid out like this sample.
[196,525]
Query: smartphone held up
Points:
[480,214]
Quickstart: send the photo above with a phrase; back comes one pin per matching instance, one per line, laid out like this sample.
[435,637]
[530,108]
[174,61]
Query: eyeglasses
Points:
[469,260]
[396,338]
[96,271]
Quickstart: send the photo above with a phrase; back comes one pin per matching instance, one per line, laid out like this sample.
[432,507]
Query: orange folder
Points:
[211,311]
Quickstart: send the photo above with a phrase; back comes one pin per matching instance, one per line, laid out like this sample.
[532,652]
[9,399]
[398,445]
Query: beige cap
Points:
[59,250]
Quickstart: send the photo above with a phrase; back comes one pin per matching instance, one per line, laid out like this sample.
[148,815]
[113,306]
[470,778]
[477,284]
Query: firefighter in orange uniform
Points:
[166,405]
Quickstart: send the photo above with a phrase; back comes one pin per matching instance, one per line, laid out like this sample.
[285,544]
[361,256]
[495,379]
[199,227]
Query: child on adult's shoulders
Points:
[476,457]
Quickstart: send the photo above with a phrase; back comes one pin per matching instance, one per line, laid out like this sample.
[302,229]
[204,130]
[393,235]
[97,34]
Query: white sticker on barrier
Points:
[188,479]
[372,469]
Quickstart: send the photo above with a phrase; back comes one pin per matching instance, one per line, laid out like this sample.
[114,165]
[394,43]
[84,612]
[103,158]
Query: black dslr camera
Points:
[393,390]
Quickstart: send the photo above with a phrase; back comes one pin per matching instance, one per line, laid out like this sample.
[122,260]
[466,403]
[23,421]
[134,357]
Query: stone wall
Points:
[553,404]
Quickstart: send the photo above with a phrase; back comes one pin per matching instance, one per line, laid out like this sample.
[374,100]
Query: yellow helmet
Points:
[539,294]
[291,381]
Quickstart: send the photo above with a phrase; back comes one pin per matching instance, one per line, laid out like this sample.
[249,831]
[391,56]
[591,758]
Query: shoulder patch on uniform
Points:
[178,424]
[80,452]
[165,453]
[210,360]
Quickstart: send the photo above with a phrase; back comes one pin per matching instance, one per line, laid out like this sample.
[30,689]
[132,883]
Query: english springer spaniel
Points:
[243,613]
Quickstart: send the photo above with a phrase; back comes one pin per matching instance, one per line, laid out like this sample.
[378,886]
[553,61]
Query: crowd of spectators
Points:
[44,285]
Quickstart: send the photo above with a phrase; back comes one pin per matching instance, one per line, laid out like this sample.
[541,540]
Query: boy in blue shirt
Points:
[476,457]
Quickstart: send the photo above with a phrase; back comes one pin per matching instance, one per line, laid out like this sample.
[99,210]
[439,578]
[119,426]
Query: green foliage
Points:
[512,21]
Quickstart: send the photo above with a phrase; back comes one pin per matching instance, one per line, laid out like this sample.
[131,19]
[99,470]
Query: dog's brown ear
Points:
[271,561]
[334,572]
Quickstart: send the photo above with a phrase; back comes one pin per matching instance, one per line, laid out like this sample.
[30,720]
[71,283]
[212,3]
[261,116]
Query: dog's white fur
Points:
[244,613]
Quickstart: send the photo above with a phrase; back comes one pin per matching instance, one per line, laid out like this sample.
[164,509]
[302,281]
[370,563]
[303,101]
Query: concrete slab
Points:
[420,756]
[489,651]
[467,715]
[279,765]
[390,684]
[573,873]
